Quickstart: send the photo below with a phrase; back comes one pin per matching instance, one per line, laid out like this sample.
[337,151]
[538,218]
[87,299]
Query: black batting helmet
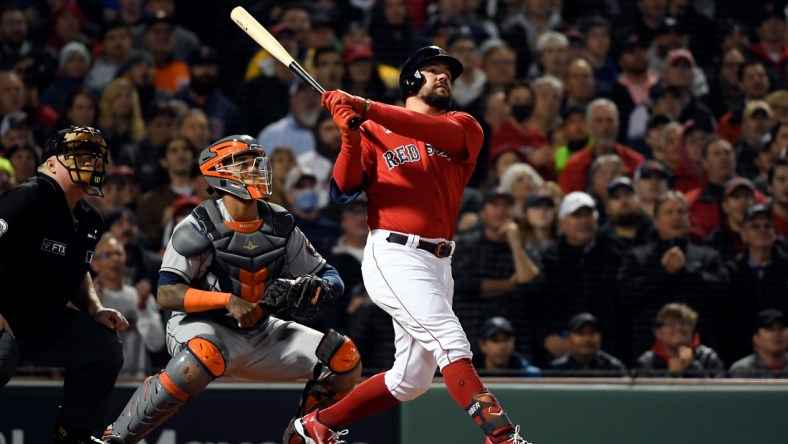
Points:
[411,80]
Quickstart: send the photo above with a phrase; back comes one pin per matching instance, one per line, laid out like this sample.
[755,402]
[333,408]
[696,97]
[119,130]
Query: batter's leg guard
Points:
[489,415]
[191,370]
[334,376]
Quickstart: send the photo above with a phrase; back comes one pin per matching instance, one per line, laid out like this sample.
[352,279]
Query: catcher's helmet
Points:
[83,151]
[245,178]
[411,80]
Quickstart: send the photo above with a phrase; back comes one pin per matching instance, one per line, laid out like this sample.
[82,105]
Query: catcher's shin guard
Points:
[489,415]
[162,395]
[334,376]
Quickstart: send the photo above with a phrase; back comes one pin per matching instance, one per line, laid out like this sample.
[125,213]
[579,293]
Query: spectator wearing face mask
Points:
[302,198]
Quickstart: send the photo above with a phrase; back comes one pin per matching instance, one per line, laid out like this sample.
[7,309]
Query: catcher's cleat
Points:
[513,438]
[313,431]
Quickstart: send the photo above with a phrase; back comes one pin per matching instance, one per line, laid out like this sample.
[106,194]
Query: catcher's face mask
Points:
[83,152]
[237,165]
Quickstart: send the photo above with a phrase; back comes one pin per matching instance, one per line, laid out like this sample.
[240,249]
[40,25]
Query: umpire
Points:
[47,237]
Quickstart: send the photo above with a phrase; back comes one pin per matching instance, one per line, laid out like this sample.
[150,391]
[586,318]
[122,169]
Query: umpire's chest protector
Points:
[243,263]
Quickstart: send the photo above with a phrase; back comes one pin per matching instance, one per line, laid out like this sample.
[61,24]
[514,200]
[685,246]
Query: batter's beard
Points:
[437,101]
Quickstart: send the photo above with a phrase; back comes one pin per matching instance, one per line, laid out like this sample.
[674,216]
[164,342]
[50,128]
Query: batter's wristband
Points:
[200,300]
[367,104]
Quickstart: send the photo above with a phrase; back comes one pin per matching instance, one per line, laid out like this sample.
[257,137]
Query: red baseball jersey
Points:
[417,165]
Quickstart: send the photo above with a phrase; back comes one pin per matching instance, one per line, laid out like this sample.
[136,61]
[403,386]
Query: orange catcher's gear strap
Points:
[200,300]
[200,361]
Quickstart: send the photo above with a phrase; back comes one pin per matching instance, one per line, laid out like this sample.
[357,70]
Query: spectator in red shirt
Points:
[778,187]
[602,117]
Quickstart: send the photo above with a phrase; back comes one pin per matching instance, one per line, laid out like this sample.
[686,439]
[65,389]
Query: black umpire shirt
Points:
[45,251]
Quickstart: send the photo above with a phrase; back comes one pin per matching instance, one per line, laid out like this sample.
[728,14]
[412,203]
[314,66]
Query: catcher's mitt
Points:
[303,300]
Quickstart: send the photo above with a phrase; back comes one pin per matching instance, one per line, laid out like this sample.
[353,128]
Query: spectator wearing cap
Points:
[726,237]
[174,214]
[754,84]
[520,179]
[719,164]
[470,85]
[497,355]
[758,279]
[74,65]
[177,160]
[363,75]
[592,268]
[274,80]
[681,71]
[186,41]
[755,131]
[677,350]
[575,131]
[302,198]
[169,73]
[778,103]
[538,226]
[531,110]
[580,84]
[493,269]
[597,39]
[771,47]
[670,267]
[603,120]
[725,94]
[585,358]
[116,50]
[24,159]
[627,226]
[203,92]
[296,129]
[770,359]
[630,92]
[16,45]
[777,179]
[687,164]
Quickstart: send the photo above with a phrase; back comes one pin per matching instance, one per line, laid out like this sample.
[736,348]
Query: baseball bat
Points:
[259,34]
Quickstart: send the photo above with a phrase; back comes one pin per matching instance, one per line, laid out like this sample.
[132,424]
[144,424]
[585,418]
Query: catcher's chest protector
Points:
[245,263]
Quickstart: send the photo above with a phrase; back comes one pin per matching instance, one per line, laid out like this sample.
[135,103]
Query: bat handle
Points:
[356,122]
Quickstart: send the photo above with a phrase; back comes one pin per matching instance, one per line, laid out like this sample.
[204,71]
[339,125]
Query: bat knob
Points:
[356,122]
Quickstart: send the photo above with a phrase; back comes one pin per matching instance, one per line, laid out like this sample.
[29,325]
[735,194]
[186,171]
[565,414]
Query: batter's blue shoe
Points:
[313,431]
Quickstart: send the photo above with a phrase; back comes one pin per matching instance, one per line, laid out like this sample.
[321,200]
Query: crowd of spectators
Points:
[632,186]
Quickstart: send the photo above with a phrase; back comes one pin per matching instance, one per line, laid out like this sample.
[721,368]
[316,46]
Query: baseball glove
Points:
[303,300]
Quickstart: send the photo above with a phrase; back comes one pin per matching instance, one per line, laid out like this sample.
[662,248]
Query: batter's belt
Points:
[440,249]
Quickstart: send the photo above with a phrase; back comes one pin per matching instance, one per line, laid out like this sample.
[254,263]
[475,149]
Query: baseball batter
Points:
[214,275]
[413,164]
